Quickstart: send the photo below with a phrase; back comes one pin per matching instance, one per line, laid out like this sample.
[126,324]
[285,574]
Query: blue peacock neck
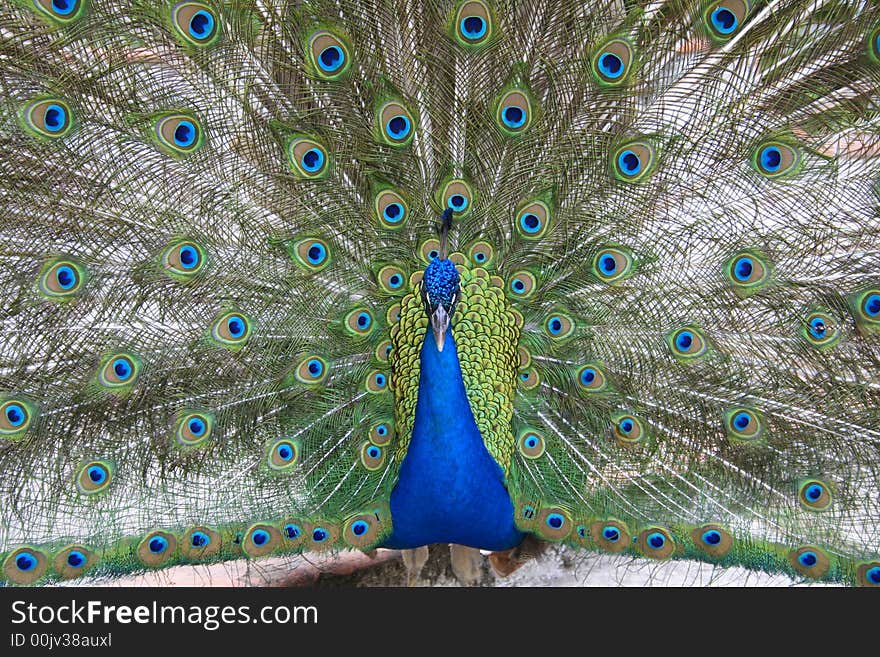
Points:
[449,489]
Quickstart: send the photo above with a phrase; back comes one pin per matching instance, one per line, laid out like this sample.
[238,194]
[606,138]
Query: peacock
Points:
[321,275]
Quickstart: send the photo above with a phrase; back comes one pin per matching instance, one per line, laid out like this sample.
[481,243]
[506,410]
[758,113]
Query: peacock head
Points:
[440,293]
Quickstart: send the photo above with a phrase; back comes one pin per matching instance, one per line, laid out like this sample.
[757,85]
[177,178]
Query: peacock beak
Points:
[439,324]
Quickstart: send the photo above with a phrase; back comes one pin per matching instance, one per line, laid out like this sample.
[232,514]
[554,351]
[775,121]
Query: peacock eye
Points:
[457,196]
[744,424]
[195,22]
[613,264]
[514,113]
[16,415]
[688,343]
[396,124]
[481,253]
[725,17]
[376,381]
[391,209]
[372,456]
[591,378]
[815,495]
[559,326]
[93,477]
[48,118]
[533,220]
[232,330]
[283,455]
[307,158]
[119,371]
[634,161]
[612,63]
[179,134]
[473,24]
[628,430]
[63,11]
[391,279]
[329,54]
[311,254]
[531,444]
[775,159]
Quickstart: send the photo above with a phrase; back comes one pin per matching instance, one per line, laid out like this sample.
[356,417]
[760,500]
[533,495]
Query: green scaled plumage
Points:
[216,220]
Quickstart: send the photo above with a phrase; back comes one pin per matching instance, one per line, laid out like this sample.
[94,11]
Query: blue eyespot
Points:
[319,535]
[393,213]
[317,253]
[771,158]
[517,285]
[122,368]
[201,25]
[808,559]
[64,7]
[530,223]
[554,325]
[16,415]
[236,326]
[364,320]
[158,544]
[189,257]
[555,521]
[524,376]
[711,537]
[873,575]
[260,537]
[588,375]
[724,20]
[380,380]
[629,163]
[196,426]
[382,429]
[331,59]
[742,269]
[608,264]
[458,202]
[55,118]
[479,256]
[25,562]
[473,27]
[513,116]
[66,277]
[76,559]
[97,474]
[313,159]
[813,492]
[741,420]
[818,328]
[185,134]
[398,127]
[395,281]
[359,527]
[684,340]
[611,534]
[374,452]
[199,539]
[285,451]
[531,442]
[627,425]
[872,305]
[292,531]
[315,367]
[610,65]
[656,540]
